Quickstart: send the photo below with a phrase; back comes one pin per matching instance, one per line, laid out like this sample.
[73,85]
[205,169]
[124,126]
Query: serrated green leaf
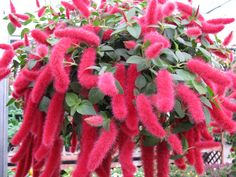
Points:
[72,99]
[134,30]
[95,95]
[85,108]
[11,28]
[140,82]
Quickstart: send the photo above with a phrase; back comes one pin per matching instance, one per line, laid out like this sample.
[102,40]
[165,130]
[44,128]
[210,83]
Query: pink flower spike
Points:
[37,3]
[193,31]
[41,11]
[14,21]
[165,96]
[168,9]
[95,121]
[153,51]
[40,36]
[22,16]
[42,50]
[207,145]
[228,39]
[211,28]
[130,44]
[12,7]
[175,143]
[26,40]
[5,46]
[68,5]
[151,12]
[219,21]
[82,7]
[106,83]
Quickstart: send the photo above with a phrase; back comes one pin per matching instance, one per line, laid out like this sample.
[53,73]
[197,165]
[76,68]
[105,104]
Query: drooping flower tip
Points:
[82,7]
[175,143]
[42,50]
[211,28]
[95,121]
[153,51]
[168,9]
[151,12]
[228,39]
[14,20]
[223,21]
[40,36]
[68,6]
[130,44]
[106,83]
[41,11]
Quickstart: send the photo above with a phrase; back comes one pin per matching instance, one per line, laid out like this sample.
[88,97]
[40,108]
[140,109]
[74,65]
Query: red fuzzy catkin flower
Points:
[30,75]
[130,44]
[199,163]
[12,7]
[22,16]
[151,12]
[192,102]
[39,36]
[41,84]
[26,40]
[162,1]
[88,138]
[193,31]
[147,156]
[61,77]
[95,121]
[189,135]
[27,122]
[162,157]
[184,8]
[165,91]
[211,28]
[228,39]
[180,163]
[41,11]
[102,146]
[207,72]
[37,3]
[4,72]
[155,37]
[6,58]
[168,9]
[206,145]
[73,142]
[153,51]
[148,117]
[86,36]
[5,46]
[22,149]
[218,21]
[84,75]
[226,102]
[14,21]
[106,83]
[54,159]
[82,7]
[119,107]
[107,35]
[17,44]
[175,143]
[68,6]
[55,111]
[42,50]
[222,119]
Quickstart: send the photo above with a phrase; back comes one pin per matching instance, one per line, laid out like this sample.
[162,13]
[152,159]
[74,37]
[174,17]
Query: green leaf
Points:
[119,87]
[199,87]
[175,157]
[52,41]
[178,109]
[75,87]
[10,101]
[23,32]
[150,88]
[150,141]
[140,82]
[207,115]
[134,30]
[205,53]
[95,95]
[85,108]
[205,101]
[106,120]
[43,106]
[73,110]
[182,127]
[136,60]
[182,41]
[183,56]
[11,28]
[185,75]
[130,14]
[106,48]
[72,99]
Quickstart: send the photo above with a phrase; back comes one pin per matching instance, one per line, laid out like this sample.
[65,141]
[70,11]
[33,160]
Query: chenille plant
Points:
[117,76]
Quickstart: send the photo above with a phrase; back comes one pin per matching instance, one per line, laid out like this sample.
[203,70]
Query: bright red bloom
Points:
[192,101]
[41,84]
[168,9]
[211,28]
[82,7]
[94,121]
[85,75]
[228,39]
[42,50]
[40,36]
[106,83]
[148,117]
[37,3]
[130,44]
[107,34]
[12,7]
[6,58]
[226,102]
[26,40]
[199,163]
[119,107]
[147,155]
[17,44]
[155,37]
[207,72]
[14,21]
[68,5]
[151,12]
[5,46]
[153,51]
[165,91]
[163,157]
[53,119]
[218,21]
[41,11]
[162,1]
[102,146]
[4,72]
[22,16]
[86,36]
[207,144]
[175,143]
[193,31]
